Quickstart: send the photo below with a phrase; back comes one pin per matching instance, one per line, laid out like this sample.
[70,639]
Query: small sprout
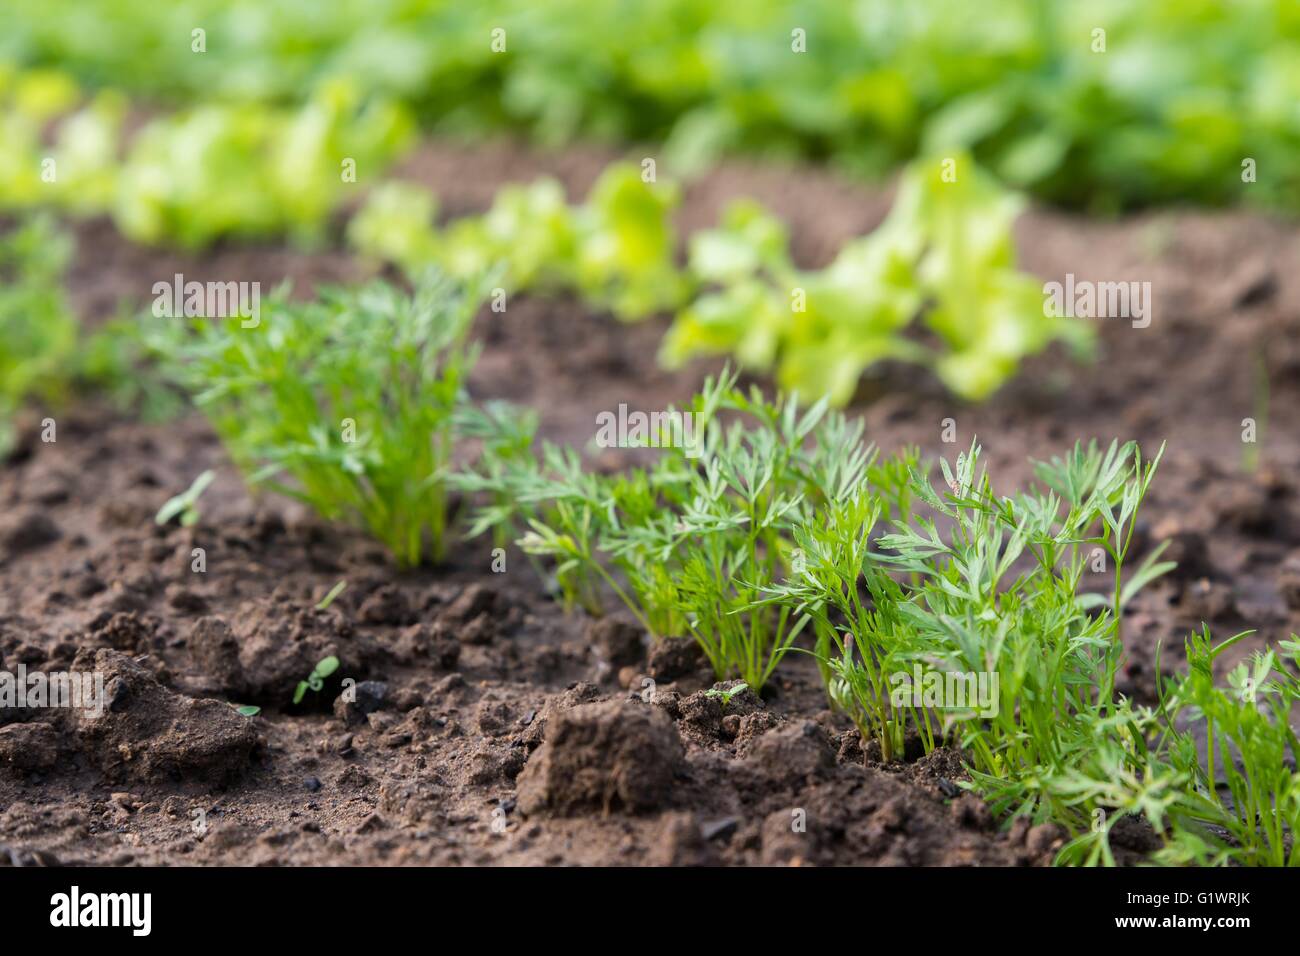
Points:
[247,710]
[328,599]
[726,693]
[184,503]
[316,679]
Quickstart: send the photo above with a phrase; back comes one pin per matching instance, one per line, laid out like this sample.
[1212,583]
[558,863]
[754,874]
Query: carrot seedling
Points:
[316,679]
[967,623]
[725,694]
[328,599]
[345,403]
[38,332]
[185,505]
[1245,786]
[685,543]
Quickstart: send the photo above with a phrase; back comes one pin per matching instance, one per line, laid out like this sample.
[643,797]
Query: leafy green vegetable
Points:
[396,225]
[345,403]
[616,250]
[251,171]
[625,244]
[946,253]
[217,170]
[1168,107]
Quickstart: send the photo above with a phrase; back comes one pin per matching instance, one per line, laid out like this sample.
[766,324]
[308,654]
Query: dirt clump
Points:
[707,717]
[620,642]
[790,753]
[358,702]
[674,658]
[610,755]
[27,531]
[681,842]
[272,647]
[28,748]
[149,734]
[423,642]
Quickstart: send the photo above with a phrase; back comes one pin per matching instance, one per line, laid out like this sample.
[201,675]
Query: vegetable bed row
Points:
[763,529]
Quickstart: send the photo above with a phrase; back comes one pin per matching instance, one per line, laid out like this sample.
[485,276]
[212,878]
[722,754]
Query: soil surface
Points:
[489,727]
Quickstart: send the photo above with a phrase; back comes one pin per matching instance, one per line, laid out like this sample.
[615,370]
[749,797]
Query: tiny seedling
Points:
[334,592]
[316,679]
[185,504]
[726,693]
[1250,449]
[247,710]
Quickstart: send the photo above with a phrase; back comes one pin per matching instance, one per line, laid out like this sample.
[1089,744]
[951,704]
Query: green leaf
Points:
[327,666]
[328,599]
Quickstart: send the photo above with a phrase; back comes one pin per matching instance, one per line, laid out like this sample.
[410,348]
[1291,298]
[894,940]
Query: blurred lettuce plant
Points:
[251,171]
[1165,106]
[616,250]
[945,254]
[239,170]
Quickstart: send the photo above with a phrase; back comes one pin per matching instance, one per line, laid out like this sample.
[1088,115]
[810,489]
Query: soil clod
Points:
[611,756]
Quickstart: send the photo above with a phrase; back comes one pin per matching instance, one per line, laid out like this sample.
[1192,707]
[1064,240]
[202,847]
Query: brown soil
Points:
[489,727]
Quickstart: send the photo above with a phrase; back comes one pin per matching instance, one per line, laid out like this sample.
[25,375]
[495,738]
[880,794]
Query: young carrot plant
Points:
[966,622]
[345,403]
[1215,776]
[505,435]
[1239,740]
[685,543]
[725,694]
[38,333]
